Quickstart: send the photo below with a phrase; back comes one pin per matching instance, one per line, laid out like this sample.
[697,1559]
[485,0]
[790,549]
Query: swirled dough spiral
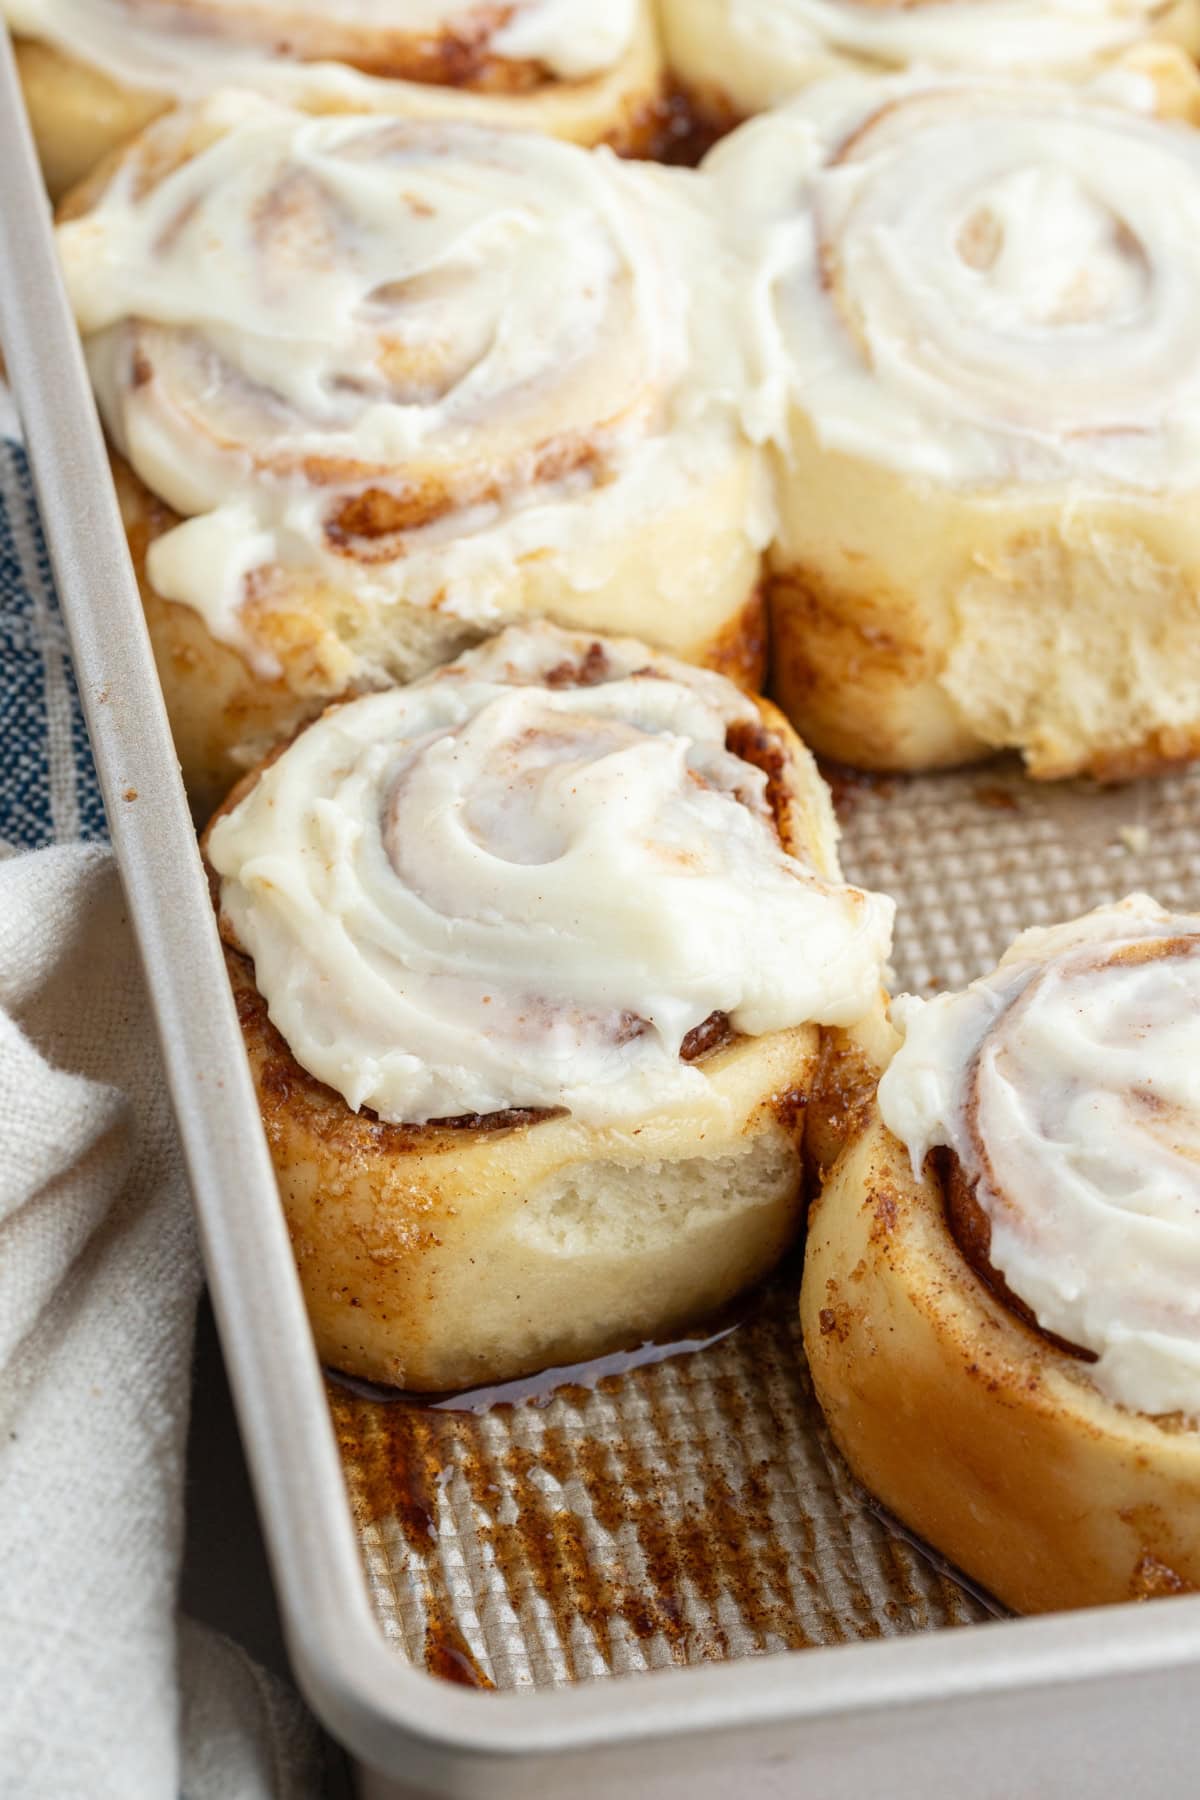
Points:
[96,70]
[398,382]
[499,888]
[742,56]
[1067,1084]
[973,313]
[538,902]
[1000,1288]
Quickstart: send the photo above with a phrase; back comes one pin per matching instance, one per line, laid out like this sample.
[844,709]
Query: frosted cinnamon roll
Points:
[96,71]
[1001,1297]
[973,311]
[531,958]
[376,387]
[737,57]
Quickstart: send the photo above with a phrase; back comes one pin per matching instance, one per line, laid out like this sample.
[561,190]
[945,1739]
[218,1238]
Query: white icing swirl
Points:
[763,51]
[1067,1083]
[492,890]
[976,282]
[193,46]
[405,356]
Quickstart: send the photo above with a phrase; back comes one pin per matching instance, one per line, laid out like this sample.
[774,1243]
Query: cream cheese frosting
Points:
[499,328]
[499,332]
[1067,1083]
[495,889]
[187,50]
[976,282]
[763,51]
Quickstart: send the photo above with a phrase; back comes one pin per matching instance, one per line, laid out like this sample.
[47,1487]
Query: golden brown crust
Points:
[226,716]
[982,1436]
[459,1252]
[988,631]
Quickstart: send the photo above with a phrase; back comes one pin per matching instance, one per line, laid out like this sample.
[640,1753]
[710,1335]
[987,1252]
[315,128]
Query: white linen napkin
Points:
[105,1694]
[101,1693]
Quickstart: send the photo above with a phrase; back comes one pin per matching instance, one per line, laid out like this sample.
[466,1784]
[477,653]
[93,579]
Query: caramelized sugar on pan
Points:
[689,1508]
[695,1508]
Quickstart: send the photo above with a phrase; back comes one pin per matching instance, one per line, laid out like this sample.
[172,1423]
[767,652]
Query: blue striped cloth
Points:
[48,789]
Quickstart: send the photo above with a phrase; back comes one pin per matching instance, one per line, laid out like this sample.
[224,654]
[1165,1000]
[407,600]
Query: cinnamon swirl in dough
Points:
[376,387]
[737,57]
[531,957]
[1001,1296]
[96,71]
[975,310]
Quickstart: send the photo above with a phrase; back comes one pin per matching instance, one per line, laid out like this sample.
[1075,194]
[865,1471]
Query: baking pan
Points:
[658,1579]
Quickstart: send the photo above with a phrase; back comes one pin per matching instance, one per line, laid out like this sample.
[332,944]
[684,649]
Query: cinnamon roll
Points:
[531,957]
[1001,1299]
[973,311]
[97,71]
[737,57]
[376,387]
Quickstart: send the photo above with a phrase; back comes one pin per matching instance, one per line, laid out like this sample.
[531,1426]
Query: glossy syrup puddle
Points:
[534,1390]
[672,1504]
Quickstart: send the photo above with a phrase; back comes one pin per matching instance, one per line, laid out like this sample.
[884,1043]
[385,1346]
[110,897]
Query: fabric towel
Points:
[103,1690]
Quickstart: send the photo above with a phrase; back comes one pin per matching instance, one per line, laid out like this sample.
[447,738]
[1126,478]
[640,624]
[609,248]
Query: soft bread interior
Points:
[915,626]
[437,1259]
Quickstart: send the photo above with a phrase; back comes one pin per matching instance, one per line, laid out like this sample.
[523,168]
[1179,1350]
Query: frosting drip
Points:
[1005,279]
[1067,1083]
[498,888]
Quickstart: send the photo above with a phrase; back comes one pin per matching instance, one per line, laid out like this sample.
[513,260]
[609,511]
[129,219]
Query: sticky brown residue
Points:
[655,1517]
[1155,1580]
[752,742]
[834,1322]
[370,525]
[885,1213]
[592,670]
[843,1092]
[998,799]
[686,125]
[711,1034]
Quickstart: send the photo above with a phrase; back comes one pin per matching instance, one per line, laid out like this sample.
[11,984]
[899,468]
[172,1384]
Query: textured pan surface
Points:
[695,1509]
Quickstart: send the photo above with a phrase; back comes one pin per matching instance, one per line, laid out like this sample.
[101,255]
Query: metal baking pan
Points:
[661,1582]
